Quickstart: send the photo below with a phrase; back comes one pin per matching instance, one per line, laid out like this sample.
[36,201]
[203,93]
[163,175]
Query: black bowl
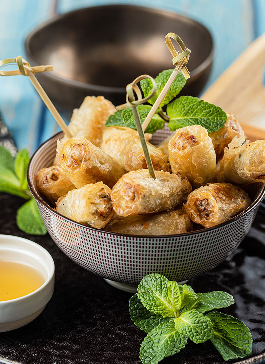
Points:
[99,50]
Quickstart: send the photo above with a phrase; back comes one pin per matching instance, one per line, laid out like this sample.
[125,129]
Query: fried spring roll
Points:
[53,183]
[163,223]
[192,154]
[89,205]
[138,193]
[89,120]
[85,163]
[123,144]
[222,137]
[243,164]
[164,144]
[215,203]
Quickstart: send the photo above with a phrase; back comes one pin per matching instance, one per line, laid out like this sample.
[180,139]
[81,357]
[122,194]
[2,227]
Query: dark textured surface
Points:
[87,320]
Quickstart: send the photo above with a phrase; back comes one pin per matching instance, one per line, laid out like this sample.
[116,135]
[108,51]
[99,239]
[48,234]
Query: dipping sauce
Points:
[18,279]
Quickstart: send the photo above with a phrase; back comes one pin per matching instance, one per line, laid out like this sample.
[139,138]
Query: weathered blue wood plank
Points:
[259,17]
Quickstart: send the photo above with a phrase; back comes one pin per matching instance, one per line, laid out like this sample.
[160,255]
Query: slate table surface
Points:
[87,320]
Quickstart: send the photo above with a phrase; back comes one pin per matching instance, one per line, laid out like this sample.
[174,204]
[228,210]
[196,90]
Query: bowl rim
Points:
[104,89]
[39,199]
[45,252]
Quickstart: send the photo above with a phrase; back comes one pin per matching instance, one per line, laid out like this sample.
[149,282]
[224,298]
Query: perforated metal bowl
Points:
[127,258]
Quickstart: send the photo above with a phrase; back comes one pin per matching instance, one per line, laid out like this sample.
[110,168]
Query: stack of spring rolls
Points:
[100,177]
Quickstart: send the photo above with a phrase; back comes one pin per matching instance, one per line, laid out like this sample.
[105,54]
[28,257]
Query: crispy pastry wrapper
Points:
[85,163]
[52,182]
[89,205]
[124,145]
[222,137]
[89,120]
[243,163]
[138,193]
[162,223]
[192,154]
[216,203]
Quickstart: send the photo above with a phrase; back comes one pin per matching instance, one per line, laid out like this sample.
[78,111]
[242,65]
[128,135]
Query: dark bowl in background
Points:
[99,50]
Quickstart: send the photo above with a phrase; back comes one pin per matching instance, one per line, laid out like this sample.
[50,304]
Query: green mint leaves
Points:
[184,111]
[13,180]
[161,80]
[171,314]
[188,110]
[125,118]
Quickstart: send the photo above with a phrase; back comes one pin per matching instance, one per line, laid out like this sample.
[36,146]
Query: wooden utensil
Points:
[240,90]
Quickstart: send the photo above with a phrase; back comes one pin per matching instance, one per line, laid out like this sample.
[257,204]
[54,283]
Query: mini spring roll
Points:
[138,193]
[53,183]
[192,154]
[222,137]
[162,223]
[243,164]
[123,144]
[89,205]
[215,203]
[85,163]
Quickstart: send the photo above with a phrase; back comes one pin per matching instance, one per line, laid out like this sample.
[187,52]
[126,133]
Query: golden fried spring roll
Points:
[90,205]
[138,193]
[89,120]
[85,163]
[164,144]
[162,223]
[123,144]
[53,183]
[192,154]
[243,164]
[215,203]
[222,137]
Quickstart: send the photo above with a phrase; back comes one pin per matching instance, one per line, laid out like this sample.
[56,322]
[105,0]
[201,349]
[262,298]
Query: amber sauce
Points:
[17,280]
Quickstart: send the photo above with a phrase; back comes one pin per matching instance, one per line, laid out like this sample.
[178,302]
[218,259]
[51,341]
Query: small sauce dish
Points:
[17,312]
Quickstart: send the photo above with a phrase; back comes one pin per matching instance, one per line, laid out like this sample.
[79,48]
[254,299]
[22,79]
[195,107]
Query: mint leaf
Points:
[164,340]
[188,110]
[21,164]
[195,326]
[29,219]
[161,80]
[187,294]
[213,300]
[154,295]
[6,159]
[155,124]
[230,336]
[141,317]
[9,183]
[116,119]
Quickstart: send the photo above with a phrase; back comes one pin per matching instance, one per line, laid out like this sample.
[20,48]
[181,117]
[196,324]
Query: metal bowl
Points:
[99,50]
[126,259]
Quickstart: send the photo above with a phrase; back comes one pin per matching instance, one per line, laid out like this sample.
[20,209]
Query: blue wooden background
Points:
[233,23]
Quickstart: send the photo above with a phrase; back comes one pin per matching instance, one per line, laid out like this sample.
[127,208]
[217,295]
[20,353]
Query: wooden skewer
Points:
[48,103]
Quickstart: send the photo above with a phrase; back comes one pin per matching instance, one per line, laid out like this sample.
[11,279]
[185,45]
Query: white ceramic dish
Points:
[21,311]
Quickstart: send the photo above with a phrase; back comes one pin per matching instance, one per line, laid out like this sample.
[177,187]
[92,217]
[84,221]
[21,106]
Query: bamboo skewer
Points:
[25,69]
[179,61]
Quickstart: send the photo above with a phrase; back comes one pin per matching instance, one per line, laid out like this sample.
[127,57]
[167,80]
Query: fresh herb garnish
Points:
[184,111]
[171,314]
[13,180]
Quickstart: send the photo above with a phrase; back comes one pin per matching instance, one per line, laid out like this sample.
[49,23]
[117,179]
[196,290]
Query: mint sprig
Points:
[184,111]
[13,180]
[171,314]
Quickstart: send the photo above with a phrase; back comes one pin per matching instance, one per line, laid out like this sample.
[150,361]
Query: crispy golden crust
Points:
[215,203]
[53,183]
[244,163]
[162,223]
[85,163]
[222,137]
[90,205]
[192,154]
[89,120]
[123,144]
[138,193]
